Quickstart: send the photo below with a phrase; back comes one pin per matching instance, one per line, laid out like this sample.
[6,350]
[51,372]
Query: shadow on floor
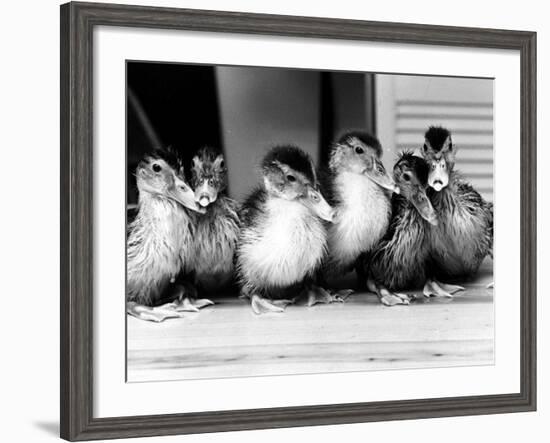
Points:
[49,427]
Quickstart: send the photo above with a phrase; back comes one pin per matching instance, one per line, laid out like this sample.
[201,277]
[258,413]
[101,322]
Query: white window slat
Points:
[441,109]
[421,124]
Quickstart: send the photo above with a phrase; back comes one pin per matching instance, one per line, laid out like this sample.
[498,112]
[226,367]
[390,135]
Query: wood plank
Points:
[228,340]
[258,360]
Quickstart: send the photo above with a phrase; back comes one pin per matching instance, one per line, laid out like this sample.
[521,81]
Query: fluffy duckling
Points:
[156,236]
[215,232]
[283,240]
[464,236]
[359,189]
[401,259]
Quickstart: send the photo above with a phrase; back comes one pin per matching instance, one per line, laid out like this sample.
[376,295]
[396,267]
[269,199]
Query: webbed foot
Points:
[343,293]
[314,294]
[155,314]
[262,305]
[184,296]
[388,298]
[438,289]
[189,304]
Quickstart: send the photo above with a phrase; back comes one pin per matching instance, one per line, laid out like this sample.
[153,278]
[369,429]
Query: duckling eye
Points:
[359,150]
[315,197]
[156,167]
[406,177]
[291,178]
[443,165]
[222,164]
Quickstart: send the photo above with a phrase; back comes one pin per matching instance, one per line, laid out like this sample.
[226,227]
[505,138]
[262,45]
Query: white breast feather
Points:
[362,220]
[288,245]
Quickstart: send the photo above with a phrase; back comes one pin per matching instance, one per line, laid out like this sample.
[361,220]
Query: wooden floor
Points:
[228,340]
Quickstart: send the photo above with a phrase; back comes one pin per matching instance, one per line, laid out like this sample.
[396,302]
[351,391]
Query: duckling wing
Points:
[400,258]
[481,210]
[464,236]
[469,195]
[252,207]
[399,206]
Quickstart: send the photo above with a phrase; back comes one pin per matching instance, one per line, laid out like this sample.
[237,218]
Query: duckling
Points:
[283,240]
[401,259]
[464,236]
[217,231]
[359,189]
[155,237]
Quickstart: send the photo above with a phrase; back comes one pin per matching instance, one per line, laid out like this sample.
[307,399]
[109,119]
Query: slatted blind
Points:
[465,106]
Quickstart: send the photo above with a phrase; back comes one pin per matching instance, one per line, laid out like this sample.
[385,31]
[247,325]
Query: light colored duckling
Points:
[216,232]
[156,236]
[359,189]
[283,240]
[464,236]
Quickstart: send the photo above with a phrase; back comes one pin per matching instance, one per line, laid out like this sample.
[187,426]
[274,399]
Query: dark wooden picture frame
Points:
[77,23]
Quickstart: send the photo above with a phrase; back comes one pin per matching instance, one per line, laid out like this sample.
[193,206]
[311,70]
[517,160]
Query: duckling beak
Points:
[424,207]
[317,203]
[205,194]
[377,173]
[438,177]
[183,194]
[430,218]
[327,214]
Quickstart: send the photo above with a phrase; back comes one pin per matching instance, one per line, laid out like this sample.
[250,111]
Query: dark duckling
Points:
[359,189]
[215,232]
[156,236]
[401,260]
[283,240]
[464,235]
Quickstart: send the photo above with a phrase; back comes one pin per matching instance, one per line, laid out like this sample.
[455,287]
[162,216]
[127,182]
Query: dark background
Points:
[242,111]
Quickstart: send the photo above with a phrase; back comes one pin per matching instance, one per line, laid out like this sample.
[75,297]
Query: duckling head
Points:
[209,175]
[438,150]
[160,175]
[360,153]
[411,175]
[289,173]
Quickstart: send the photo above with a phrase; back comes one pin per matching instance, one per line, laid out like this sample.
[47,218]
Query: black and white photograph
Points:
[232,221]
[284,221]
